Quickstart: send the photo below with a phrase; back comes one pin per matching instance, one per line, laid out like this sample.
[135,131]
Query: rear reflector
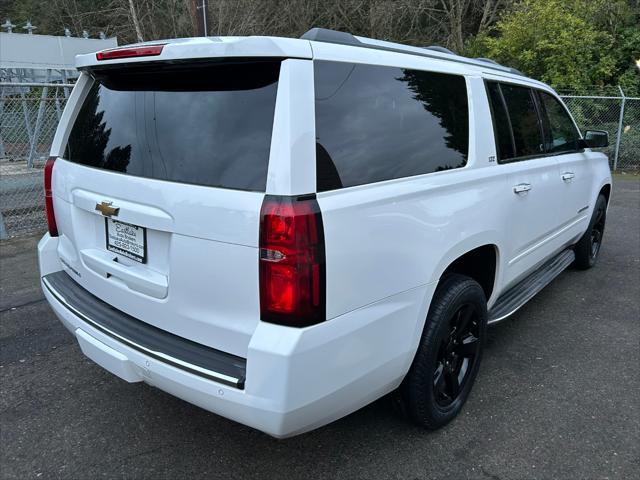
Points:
[129,52]
[292,261]
[48,197]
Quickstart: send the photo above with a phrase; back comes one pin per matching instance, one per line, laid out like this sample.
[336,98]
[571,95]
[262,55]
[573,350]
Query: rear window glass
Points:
[378,123]
[501,125]
[207,124]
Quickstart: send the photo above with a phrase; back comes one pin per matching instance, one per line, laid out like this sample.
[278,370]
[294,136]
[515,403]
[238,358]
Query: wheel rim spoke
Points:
[596,238]
[597,231]
[464,317]
[468,347]
[451,380]
[456,355]
[438,379]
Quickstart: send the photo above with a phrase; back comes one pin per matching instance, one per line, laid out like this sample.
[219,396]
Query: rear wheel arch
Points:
[453,261]
[480,264]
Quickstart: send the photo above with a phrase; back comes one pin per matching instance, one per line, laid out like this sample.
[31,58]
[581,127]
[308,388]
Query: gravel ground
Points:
[558,396]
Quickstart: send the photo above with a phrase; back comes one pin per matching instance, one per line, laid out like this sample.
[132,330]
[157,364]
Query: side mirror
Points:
[596,139]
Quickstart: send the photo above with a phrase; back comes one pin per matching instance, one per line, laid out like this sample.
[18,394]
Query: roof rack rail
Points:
[493,62]
[331,36]
[326,35]
[438,48]
[488,60]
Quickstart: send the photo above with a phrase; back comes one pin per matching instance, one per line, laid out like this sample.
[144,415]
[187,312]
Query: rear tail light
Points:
[48,197]
[129,52]
[292,261]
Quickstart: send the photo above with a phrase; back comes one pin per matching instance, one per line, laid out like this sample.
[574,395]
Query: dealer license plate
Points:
[127,240]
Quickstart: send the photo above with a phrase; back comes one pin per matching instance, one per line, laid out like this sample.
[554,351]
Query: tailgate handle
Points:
[136,277]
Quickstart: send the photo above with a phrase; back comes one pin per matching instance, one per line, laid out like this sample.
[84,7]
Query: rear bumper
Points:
[181,353]
[296,379]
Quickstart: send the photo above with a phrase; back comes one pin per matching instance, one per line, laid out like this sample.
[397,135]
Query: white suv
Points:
[284,230]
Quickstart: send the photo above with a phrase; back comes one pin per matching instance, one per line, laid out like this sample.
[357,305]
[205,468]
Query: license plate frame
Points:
[128,238]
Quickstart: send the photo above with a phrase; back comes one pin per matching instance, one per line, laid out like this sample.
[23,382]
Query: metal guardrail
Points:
[30,111]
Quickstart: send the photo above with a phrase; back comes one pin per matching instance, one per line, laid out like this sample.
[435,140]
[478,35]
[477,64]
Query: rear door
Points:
[533,193]
[158,193]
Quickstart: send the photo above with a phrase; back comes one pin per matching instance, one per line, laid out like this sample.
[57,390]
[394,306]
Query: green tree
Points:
[567,43]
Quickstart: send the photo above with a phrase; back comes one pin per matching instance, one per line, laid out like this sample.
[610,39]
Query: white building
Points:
[38,58]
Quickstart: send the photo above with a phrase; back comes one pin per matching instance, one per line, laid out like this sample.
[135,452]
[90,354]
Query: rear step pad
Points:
[517,296]
[166,347]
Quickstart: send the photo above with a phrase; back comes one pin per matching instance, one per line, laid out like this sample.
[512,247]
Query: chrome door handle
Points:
[522,188]
[568,176]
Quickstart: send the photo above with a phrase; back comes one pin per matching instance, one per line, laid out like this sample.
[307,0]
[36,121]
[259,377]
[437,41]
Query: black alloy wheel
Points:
[589,246]
[449,353]
[597,231]
[457,355]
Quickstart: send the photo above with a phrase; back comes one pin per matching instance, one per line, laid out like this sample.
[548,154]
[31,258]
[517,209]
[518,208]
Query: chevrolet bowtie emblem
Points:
[107,210]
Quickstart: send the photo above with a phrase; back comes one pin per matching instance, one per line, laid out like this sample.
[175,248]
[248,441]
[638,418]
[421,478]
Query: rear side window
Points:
[524,120]
[501,124]
[378,123]
[560,132]
[206,124]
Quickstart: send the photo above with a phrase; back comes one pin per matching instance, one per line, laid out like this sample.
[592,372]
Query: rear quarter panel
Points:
[382,240]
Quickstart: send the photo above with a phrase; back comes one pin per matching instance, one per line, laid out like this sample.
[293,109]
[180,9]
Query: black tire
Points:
[428,394]
[588,247]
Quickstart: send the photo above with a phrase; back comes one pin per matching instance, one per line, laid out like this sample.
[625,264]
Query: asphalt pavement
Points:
[558,396]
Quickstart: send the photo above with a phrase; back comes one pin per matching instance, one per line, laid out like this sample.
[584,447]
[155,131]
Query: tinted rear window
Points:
[524,120]
[207,124]
[501,125]
[378,123]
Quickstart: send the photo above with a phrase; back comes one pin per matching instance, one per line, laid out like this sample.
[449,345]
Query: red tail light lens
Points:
[48,197]
[292,261]
[128,52]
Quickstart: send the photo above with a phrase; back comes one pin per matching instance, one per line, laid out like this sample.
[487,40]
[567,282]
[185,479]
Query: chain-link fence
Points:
[620,117]
[29,114]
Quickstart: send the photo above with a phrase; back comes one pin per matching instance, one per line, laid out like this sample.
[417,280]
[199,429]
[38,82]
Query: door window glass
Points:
[562,136]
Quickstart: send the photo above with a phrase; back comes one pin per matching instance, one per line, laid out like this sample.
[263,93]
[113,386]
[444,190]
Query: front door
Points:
[562,140]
